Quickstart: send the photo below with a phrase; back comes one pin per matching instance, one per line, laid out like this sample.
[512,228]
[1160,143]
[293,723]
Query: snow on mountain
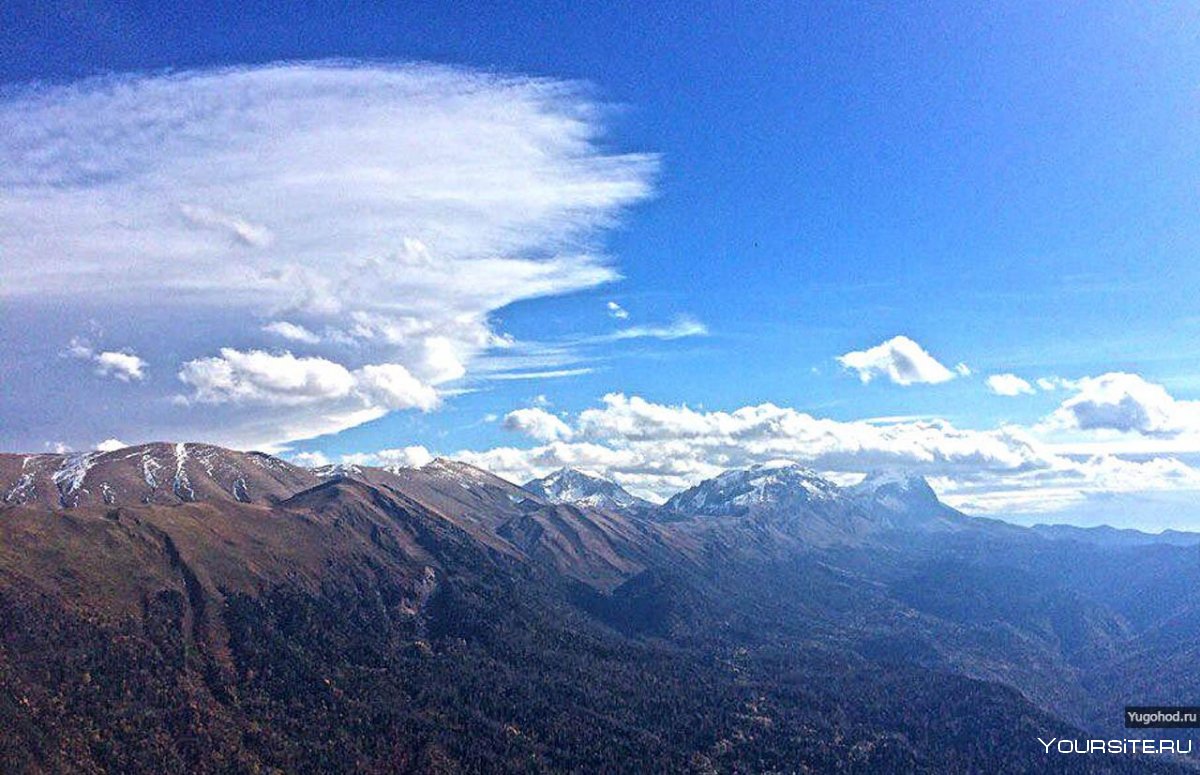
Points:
[148,474]
[568,485]
[896,491]
[738,491]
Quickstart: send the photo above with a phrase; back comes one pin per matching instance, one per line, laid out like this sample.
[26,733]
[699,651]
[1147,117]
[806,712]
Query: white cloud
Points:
[616,311]
[292,332]
[1071,482]
[441,361]
[1049,384]
[110,445]
[301,397]
[656,450]
[125,365]
[537,423]
[659,448]
[1008,385]
[510,376]
[395,207]
[404,457]
[393,387]
[309,459]
[900,360]
[257,376]
[1128,403]
[241,231]
[683,326]
[401,457]
[79,348]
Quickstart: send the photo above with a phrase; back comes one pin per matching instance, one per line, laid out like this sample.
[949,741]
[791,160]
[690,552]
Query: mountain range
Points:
[187,606]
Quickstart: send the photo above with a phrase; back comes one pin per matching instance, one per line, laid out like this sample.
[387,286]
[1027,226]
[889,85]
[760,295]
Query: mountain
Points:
[441,619]
[1111,536]
[903,500]
[758,489]
[568,485]
[148,473]
[766,508]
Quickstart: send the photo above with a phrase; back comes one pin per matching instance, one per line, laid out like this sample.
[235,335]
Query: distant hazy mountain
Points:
[903,500]
[188,607]
[568,485]
[1111,536]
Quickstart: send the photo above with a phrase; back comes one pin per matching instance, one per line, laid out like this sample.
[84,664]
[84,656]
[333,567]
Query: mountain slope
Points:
[440,619]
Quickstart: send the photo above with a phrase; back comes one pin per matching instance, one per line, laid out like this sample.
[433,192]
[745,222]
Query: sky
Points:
[647,241]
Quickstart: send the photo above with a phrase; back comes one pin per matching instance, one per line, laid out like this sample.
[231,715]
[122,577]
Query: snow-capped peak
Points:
[570,485]
[738,490]
[897,494]
[894,482]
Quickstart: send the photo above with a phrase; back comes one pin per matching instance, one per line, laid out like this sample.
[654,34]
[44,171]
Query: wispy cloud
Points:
[292,332]
[391,208]
[680,328]
[552,374]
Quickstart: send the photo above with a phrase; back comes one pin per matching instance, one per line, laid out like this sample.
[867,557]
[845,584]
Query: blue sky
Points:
[761,189]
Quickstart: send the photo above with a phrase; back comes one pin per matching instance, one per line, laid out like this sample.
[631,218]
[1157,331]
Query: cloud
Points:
[110,445]
[538,424]
[79,348]
[309,459]
[900,360]
[683,326]
[404,457]
[291,331]
[257,376]
[660,448]
[393,208]
[1008,385]
[616,311]
[552,374]
[245,233]
[401,457]
[124,366]
[1048,384]
[657,449]
[393,387]
[284,380]
[1128,403]
[1073,483]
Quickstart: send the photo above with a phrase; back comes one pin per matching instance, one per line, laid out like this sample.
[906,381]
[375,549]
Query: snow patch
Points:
[70,475]
[23,489]
[150,467]
[182,486]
